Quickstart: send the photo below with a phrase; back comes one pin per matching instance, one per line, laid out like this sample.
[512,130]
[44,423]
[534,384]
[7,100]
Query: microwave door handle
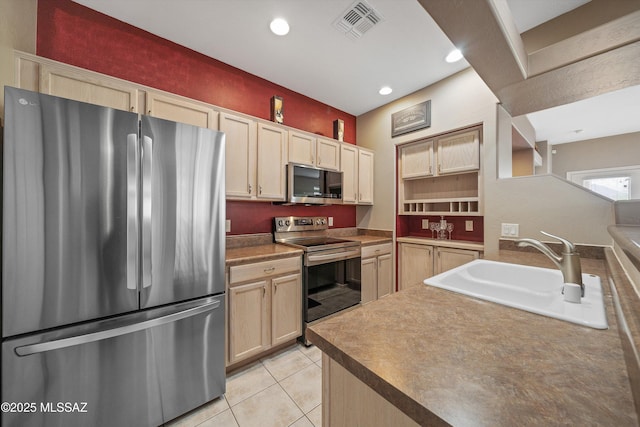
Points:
[133,167]
[147,188]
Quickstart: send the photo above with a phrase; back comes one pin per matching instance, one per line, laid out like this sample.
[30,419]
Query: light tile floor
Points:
[282,389]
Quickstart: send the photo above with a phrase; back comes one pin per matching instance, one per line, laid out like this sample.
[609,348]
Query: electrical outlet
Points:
[510,230]
[330,221]
[425,224]
[468,225]
[227,226]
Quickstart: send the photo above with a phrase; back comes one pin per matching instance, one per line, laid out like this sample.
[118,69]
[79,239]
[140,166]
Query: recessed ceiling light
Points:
[279,27]
[454,56]
[386,90]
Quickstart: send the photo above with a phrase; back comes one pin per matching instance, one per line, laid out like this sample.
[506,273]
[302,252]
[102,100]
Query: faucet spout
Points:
[557,260]
[568,263]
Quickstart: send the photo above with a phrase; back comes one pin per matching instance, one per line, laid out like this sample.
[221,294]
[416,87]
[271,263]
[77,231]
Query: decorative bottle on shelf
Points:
[442,232]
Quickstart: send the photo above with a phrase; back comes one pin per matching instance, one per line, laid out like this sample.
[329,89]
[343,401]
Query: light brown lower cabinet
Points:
[264,306]
[448,258]
[347,401]
[377,272]
[416,264]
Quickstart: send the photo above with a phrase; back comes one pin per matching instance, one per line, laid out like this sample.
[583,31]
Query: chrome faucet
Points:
[568,263]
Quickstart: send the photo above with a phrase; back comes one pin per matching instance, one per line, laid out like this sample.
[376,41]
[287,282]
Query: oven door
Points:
[330,286]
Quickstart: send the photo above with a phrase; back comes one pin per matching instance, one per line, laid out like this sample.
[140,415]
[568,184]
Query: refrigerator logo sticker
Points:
[23,101]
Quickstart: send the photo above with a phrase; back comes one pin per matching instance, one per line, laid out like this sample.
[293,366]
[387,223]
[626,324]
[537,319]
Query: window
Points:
[614,188]
[621,183]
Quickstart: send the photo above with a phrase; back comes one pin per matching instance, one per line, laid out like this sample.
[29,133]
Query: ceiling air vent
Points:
[359,18]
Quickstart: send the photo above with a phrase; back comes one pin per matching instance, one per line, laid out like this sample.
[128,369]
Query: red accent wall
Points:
[76,35]
[411,225]
[252,217]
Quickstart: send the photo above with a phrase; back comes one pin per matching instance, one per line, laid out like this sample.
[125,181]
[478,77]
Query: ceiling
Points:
[405,50]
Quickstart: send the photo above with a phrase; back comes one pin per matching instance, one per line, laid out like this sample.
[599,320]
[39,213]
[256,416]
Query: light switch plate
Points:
[510,230]
[330,221]
[468,225]
[227,226]
[425,224]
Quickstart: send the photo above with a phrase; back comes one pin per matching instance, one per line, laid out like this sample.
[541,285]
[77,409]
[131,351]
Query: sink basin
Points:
[533,289]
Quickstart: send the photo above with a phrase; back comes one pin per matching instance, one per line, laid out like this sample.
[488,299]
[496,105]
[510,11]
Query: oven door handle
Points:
[346,253]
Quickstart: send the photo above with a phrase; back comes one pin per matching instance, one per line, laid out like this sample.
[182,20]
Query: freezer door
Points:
[183,212]
[64,225]
[142,369]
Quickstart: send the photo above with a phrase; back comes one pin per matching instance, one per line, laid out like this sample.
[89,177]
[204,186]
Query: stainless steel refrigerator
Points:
[113,247]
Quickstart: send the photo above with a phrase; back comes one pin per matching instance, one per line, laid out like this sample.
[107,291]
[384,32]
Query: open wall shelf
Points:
[469,206]
[420,192]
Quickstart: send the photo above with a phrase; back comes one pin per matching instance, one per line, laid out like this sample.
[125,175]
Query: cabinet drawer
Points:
[263,270]
[375,250]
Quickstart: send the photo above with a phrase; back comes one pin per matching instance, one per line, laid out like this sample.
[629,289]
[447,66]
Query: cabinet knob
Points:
[250,188]
[269,270]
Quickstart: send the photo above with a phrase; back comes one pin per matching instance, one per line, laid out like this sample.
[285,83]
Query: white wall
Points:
[542,202]
[458,101]
[535,203]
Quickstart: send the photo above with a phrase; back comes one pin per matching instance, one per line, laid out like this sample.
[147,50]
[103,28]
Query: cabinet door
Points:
[459,153]
[448,258]
[302,148]
[369,280]
[417,159]
[248,320]
[286,308]
[385,275]
[87,88]
[272,156]
[416,264]
[349,168]
[365,177]
[241,155]
[181,110]
[328,154]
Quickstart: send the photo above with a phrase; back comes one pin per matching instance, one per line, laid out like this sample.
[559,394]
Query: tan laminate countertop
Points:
[257,253]
[474,363]
[367,240]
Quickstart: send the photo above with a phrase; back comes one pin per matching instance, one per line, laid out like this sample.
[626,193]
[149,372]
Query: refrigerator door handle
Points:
[147,164]
[133,166]
[27,350]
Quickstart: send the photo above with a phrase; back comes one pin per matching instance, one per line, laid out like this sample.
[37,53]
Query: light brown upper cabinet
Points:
[307,149]
[182,110]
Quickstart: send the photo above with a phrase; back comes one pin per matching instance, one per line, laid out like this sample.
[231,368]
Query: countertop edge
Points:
[456,244]
[409,406]
[628,238]
[250,254]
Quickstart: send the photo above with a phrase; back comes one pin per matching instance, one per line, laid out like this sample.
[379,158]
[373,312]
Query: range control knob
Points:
[320,221]
[280,223]
[287,223]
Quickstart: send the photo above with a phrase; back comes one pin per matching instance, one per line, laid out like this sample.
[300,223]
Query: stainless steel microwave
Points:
[313,186]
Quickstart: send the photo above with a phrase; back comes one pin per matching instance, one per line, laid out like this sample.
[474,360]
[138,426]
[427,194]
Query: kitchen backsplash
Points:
[257,217]
[411,225]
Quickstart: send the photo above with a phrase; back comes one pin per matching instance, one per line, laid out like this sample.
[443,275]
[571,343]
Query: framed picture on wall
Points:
[411,119]
[277,109]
